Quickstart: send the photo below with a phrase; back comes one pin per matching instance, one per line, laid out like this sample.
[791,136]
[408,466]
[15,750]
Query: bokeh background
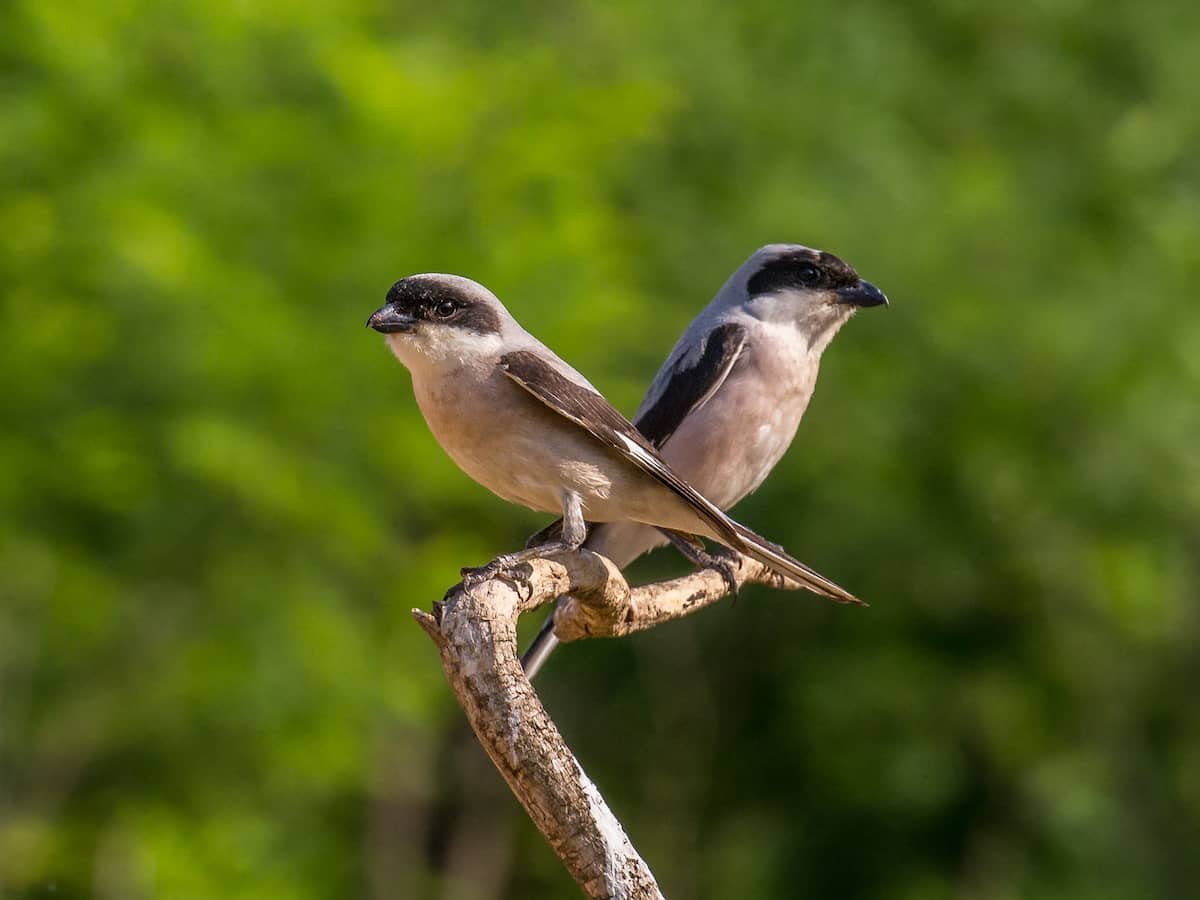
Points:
[218,501]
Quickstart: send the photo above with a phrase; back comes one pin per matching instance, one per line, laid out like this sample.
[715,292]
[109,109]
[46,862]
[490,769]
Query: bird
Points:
[725,405]
[527,426]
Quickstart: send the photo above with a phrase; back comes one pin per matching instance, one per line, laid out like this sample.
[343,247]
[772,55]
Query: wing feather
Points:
[688,382]
[593,413]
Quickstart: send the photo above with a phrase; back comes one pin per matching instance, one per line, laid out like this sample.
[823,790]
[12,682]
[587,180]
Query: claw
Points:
[473,576]
[721,561]
[725,567]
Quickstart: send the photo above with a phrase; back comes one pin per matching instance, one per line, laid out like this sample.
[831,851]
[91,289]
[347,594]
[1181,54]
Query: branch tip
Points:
[430,625]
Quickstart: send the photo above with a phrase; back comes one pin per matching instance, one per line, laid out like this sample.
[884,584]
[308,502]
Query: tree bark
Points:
[476,633]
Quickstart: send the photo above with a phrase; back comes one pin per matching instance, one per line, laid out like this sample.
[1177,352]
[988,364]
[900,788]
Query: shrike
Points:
[531,429]
[725,406]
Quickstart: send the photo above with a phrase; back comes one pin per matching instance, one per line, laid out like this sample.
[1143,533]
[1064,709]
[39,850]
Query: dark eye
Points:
[808,274]
[445,309]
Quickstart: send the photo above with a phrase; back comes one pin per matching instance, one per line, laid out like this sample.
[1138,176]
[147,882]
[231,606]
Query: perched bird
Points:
[531,429]
[725,406]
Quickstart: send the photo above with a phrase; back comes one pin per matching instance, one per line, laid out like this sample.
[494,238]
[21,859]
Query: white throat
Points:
[814,318]
[443,349]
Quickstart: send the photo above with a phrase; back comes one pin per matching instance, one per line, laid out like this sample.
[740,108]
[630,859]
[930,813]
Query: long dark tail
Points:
[541,648]
[756,547]
[759,548]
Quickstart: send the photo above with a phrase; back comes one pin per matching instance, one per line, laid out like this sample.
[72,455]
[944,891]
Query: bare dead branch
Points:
[476,634]
[616,614]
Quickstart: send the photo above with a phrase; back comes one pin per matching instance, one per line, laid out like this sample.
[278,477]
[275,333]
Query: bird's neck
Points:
[817,326]
[789,362]
[443,353]
[814,322]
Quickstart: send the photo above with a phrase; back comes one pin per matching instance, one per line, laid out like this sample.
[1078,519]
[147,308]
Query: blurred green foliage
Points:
[218,501]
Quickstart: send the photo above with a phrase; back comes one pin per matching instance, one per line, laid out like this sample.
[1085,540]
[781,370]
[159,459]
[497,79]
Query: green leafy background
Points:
[218,501]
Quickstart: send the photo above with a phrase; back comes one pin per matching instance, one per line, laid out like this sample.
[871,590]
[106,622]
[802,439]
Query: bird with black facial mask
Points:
[524,424]
[725,405]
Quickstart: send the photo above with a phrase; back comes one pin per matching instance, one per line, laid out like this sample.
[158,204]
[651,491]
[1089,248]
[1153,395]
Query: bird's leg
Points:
[699,556]
[546,535]
[570,537]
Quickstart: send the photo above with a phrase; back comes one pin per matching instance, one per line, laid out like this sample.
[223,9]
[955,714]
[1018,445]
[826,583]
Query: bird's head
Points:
[810,288]
[439,316]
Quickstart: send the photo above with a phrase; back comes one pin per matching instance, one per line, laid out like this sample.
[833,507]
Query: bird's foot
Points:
[726,565]
[723,561]
[473,576]
[502,566]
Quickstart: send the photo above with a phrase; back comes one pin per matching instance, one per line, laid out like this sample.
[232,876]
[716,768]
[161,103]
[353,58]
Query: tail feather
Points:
[772,555]
[752,544]
[541,648]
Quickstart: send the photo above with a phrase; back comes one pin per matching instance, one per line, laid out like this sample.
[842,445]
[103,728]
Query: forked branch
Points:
[476,633]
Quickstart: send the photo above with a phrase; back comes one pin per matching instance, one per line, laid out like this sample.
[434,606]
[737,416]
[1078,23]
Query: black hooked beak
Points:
[862,294]
[389,320]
